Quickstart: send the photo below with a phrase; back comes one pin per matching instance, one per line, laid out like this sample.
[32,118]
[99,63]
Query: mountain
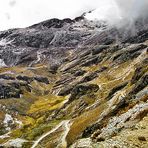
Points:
[74,83]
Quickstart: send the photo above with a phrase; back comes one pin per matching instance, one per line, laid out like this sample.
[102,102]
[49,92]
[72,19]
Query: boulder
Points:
[89,77]
[9,91]
[79,73]
[42,79]
[7,77]
[115,89]
[82,89]
[65,91]
[92,61]
[99,49]
[24,78]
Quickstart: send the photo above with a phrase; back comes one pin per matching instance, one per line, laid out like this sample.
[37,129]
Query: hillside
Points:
[74,83]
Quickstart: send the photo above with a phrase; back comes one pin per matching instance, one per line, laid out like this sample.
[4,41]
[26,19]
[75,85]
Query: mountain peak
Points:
[74,83]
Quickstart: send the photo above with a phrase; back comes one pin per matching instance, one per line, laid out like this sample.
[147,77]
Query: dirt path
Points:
[63,123]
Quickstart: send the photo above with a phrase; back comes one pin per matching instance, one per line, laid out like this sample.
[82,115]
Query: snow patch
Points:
[15,143]
[8,119]
[5,135]
[4,42]
[38,56]
[2,63]
[18,122]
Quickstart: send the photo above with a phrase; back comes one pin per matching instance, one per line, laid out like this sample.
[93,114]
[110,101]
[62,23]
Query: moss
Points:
[38,129]
[46,103]
[40,120]
[37,106]
[27,144]
[17,133]
[80,123]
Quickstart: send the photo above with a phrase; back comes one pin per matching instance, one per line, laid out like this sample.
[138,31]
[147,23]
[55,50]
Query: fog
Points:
[121,12]
[22,13]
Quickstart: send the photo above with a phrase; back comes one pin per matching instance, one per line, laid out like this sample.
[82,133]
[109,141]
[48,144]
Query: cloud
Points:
[27,12]
[23,13]
[121,12]
[12,3]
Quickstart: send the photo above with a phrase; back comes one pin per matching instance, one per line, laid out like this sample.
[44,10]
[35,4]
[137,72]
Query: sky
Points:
[23,13]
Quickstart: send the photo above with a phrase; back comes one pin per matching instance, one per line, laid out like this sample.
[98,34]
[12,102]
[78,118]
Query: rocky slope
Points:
[74,83]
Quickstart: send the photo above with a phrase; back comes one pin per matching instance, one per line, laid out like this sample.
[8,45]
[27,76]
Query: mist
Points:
[23,13]
[121,12]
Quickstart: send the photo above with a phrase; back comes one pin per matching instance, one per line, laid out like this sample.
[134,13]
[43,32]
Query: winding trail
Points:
[63,139]
[63,123]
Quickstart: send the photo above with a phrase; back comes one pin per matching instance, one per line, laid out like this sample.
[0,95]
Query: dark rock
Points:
[140,37]
[85,53]
[9,91]
[137,48]
[71,65]
[6,33]
[91,61]
[141,84]
[65,91]
[100,139]
[131,53]
[18,85]
[114,49]
[34,39]
[56,23]
[42,79]
[115,89]
[79,18]
[64,81]
[89,77]
[79,108]
[7,77]
[139,72]
[9,57]
[26,59]
[53,68]
[79,73]
[102,69]
[82,89]
[141,138]
[124,57]
[30,79]
[89,130]
[25,78]
[99,49]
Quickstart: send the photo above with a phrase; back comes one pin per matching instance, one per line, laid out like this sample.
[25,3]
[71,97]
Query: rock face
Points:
[73,83]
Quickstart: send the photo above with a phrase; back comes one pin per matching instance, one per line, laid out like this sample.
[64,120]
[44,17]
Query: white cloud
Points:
[121,12]
[22,13]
